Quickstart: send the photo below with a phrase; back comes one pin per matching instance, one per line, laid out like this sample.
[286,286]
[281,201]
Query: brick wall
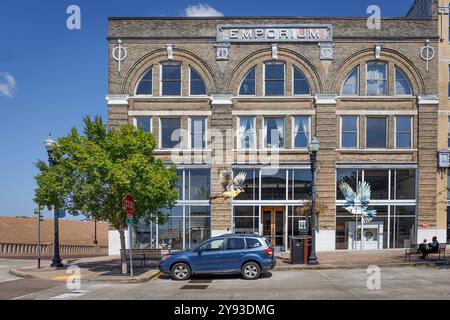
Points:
[24,231]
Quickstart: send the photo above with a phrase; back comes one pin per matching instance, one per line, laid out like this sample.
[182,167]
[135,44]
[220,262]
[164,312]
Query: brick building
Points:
[249,94]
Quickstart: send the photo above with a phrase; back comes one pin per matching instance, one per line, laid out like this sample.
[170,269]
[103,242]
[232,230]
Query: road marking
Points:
[8,280]
[61,278]
[71,294]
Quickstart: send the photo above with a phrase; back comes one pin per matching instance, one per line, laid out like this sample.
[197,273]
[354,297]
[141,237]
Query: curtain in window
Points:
[246,128]
[376,79]
[280,127]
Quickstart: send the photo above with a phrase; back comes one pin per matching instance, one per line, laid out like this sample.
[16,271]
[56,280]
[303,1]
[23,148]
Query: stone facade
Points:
[193,43]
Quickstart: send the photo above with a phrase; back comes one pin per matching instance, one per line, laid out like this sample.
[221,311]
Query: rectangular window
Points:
[273,184]
[377,79]
[251,184]
[198,133]
[247,133]
[301,130]
[245,220]
[403,130]
[300,187]
[170,133]
[274,132]
[143,123]
[274,79]
[197,184]
[171,79]
[376,132]
[449,81]
[448,135]
[349,132]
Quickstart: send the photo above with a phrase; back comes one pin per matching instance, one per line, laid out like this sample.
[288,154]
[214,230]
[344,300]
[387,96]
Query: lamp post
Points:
[313,149]
[49,143]
[95,232]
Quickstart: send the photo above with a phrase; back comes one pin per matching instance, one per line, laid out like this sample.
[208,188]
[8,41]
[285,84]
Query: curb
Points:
[149,275]
[359,266]
[21,274]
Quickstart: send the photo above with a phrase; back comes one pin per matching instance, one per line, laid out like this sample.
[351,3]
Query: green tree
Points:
[95,170]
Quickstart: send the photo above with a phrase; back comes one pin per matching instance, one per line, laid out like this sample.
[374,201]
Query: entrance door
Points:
[273,226]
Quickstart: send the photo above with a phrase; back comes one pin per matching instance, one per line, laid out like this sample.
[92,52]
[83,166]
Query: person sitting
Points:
[426,249]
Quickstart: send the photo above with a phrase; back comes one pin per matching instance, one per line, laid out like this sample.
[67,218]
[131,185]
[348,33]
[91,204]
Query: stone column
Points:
[221,146]
[326,170]
[117,111]
[427,214]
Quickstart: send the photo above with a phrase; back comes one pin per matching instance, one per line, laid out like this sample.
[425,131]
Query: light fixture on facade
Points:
[377,51]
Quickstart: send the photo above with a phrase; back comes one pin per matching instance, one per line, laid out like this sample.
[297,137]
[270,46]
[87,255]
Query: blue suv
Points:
[247,254]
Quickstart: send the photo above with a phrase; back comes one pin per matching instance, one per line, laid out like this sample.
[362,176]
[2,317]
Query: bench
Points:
[143,255]
[414,249]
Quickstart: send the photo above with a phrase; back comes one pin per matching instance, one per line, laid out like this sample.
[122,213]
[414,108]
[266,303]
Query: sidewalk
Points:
[94,269]
[107,269]
[357,260]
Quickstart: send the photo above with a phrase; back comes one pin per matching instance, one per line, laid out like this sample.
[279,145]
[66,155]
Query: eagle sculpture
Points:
[357,203]
[232,186]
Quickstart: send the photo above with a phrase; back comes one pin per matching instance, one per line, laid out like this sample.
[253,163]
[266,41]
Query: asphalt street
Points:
[394,283]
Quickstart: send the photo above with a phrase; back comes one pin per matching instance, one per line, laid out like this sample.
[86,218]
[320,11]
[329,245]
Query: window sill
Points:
[376,150]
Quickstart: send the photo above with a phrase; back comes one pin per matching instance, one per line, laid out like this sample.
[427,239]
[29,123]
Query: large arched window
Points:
[145,85]
[248,85]
[351,83]
[197,85]
[301,85]
[402,83]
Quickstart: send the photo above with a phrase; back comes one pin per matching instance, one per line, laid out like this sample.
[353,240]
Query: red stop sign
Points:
[128,204]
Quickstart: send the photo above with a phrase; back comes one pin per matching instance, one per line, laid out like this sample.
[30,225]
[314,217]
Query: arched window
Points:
[248,85]
[402,83]
[144,86]
[351,83]
[301,85]
[197,85]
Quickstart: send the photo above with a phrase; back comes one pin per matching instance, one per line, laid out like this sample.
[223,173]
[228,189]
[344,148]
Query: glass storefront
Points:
[393,196]
[188,223]
[271,203]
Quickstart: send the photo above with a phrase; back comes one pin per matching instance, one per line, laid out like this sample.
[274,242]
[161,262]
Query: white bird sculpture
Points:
[358,203]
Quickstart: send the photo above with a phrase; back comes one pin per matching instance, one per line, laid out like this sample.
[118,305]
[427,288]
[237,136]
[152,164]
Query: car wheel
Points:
[251,271]
[181,271]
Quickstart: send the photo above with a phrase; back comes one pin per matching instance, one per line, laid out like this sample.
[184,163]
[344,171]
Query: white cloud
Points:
[7,84]
[202,10]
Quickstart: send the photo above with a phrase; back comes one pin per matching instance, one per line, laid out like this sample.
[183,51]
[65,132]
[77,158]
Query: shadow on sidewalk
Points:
[112,267]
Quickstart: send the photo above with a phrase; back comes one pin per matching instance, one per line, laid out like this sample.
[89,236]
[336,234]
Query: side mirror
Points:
[199,251]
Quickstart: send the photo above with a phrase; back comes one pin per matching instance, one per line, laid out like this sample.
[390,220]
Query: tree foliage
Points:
[96,169]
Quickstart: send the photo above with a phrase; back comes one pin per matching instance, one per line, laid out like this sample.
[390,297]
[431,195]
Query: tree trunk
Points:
[123,252]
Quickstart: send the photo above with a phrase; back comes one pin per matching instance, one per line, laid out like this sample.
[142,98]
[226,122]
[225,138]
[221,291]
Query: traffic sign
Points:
[61,213]
[128,204]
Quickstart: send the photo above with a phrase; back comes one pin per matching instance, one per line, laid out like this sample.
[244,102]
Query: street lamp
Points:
[313,149]
[49,144]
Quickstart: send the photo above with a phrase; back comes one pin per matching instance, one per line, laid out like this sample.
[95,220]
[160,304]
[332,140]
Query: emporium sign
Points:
[275,33]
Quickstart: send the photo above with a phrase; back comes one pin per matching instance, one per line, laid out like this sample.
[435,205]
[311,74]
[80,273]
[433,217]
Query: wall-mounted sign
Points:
[444,159]
[275,33]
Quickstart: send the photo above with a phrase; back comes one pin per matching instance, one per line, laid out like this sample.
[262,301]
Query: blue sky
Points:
[50,76]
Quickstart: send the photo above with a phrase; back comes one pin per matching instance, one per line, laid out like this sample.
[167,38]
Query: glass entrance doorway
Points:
[273,220]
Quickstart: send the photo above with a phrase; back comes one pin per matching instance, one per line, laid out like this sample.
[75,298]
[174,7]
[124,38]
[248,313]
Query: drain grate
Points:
[200,281]
[194,287]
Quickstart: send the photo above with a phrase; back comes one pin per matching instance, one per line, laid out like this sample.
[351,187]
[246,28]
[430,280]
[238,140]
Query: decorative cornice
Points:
[428,99]
[117,99]
[325,99]
[221,99]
